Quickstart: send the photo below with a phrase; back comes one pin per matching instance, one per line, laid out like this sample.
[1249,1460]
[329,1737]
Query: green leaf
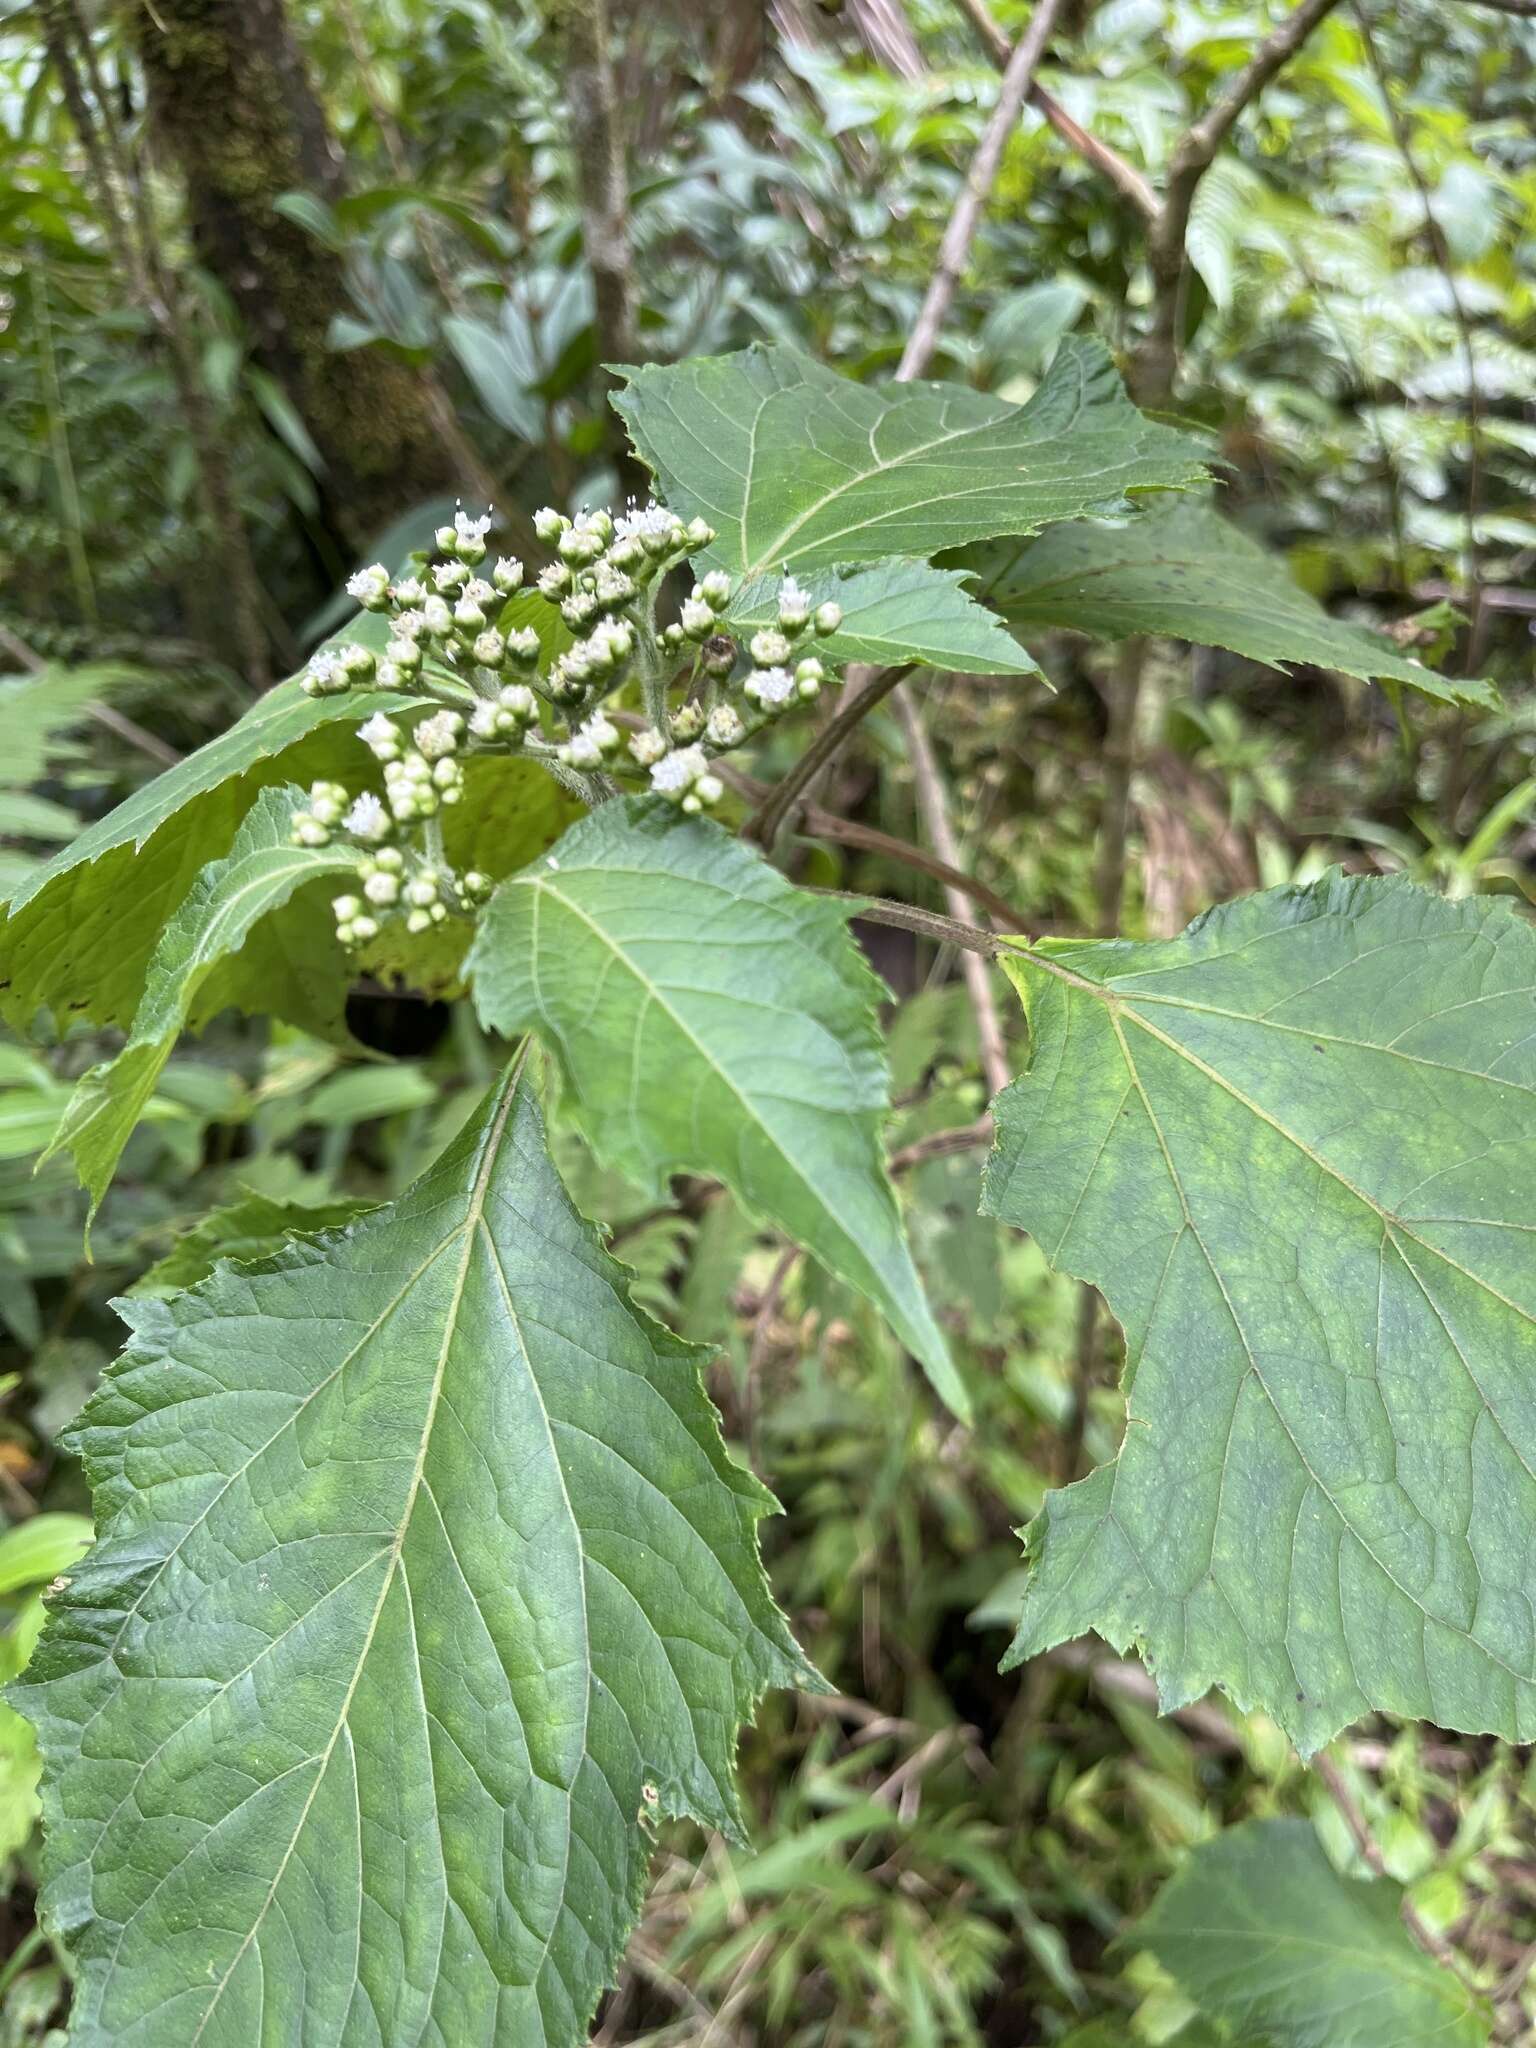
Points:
[710,1018]
[1259,1929]
[80,933]
[1295,1149]
[253,1226]
[36,711]
[1182,570]
[37,1550]
[424,1582]
[898,611]
[229,898]
[799,469]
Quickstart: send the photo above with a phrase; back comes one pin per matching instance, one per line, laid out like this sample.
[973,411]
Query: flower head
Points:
[676,773]
[367,820]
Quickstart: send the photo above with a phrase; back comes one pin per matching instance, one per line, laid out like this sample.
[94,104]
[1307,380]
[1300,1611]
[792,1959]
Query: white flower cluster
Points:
[486,675]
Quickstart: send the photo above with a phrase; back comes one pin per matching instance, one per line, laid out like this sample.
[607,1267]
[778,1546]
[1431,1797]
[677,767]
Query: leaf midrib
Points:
[654,993]
[473,1213]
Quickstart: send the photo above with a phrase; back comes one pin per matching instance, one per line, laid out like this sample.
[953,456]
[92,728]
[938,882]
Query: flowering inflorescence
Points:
[488,681]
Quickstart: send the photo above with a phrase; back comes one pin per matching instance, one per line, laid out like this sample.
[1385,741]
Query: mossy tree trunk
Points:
[232,108]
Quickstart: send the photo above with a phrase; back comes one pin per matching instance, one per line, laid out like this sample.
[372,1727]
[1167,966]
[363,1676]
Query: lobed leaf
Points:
[260,873]
[711,1018]
[1295,1149]
[799,469]
[424,1581]
[79,933]
[1260,1930]
[1180,569]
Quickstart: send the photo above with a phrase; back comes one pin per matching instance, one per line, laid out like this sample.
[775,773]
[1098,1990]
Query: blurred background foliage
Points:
[275,285]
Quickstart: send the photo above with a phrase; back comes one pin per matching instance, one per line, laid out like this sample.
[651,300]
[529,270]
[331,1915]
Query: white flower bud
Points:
[828,617]
[549,524]
[447,774]
[688,721]
[421,890]
[517,699]
[507,575]
[676,773]
[615,640]
[367,820]
[404,656]
[769,649]
[438,735]
[418,921]
[370,587]
[345,908]
[709,789]
[715,589]
[381,736]
[469,535]
[772,688]
[327,801]
[436,617]
[523,646]
[725,728]
[308,830]
[389,860]
[468,616]
[364,928]
[580,608]
[554,581]
[647,745]
[611,587]
[446,536]
[490,649]
[449,577]
[579,545]
[475,886]
[794,607]
[698,619]
[700,533]
[325,676]
[382,889]
[408,591]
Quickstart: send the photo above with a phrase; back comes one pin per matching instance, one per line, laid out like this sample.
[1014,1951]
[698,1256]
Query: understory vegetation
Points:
[767,1168]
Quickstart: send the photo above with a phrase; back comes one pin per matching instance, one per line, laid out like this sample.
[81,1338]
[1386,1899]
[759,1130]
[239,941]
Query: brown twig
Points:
[1110,165]
[934,812]
[762,1340]
[1439,248]
[941,1145]
[773,814]
[981,175]
[1155,361]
